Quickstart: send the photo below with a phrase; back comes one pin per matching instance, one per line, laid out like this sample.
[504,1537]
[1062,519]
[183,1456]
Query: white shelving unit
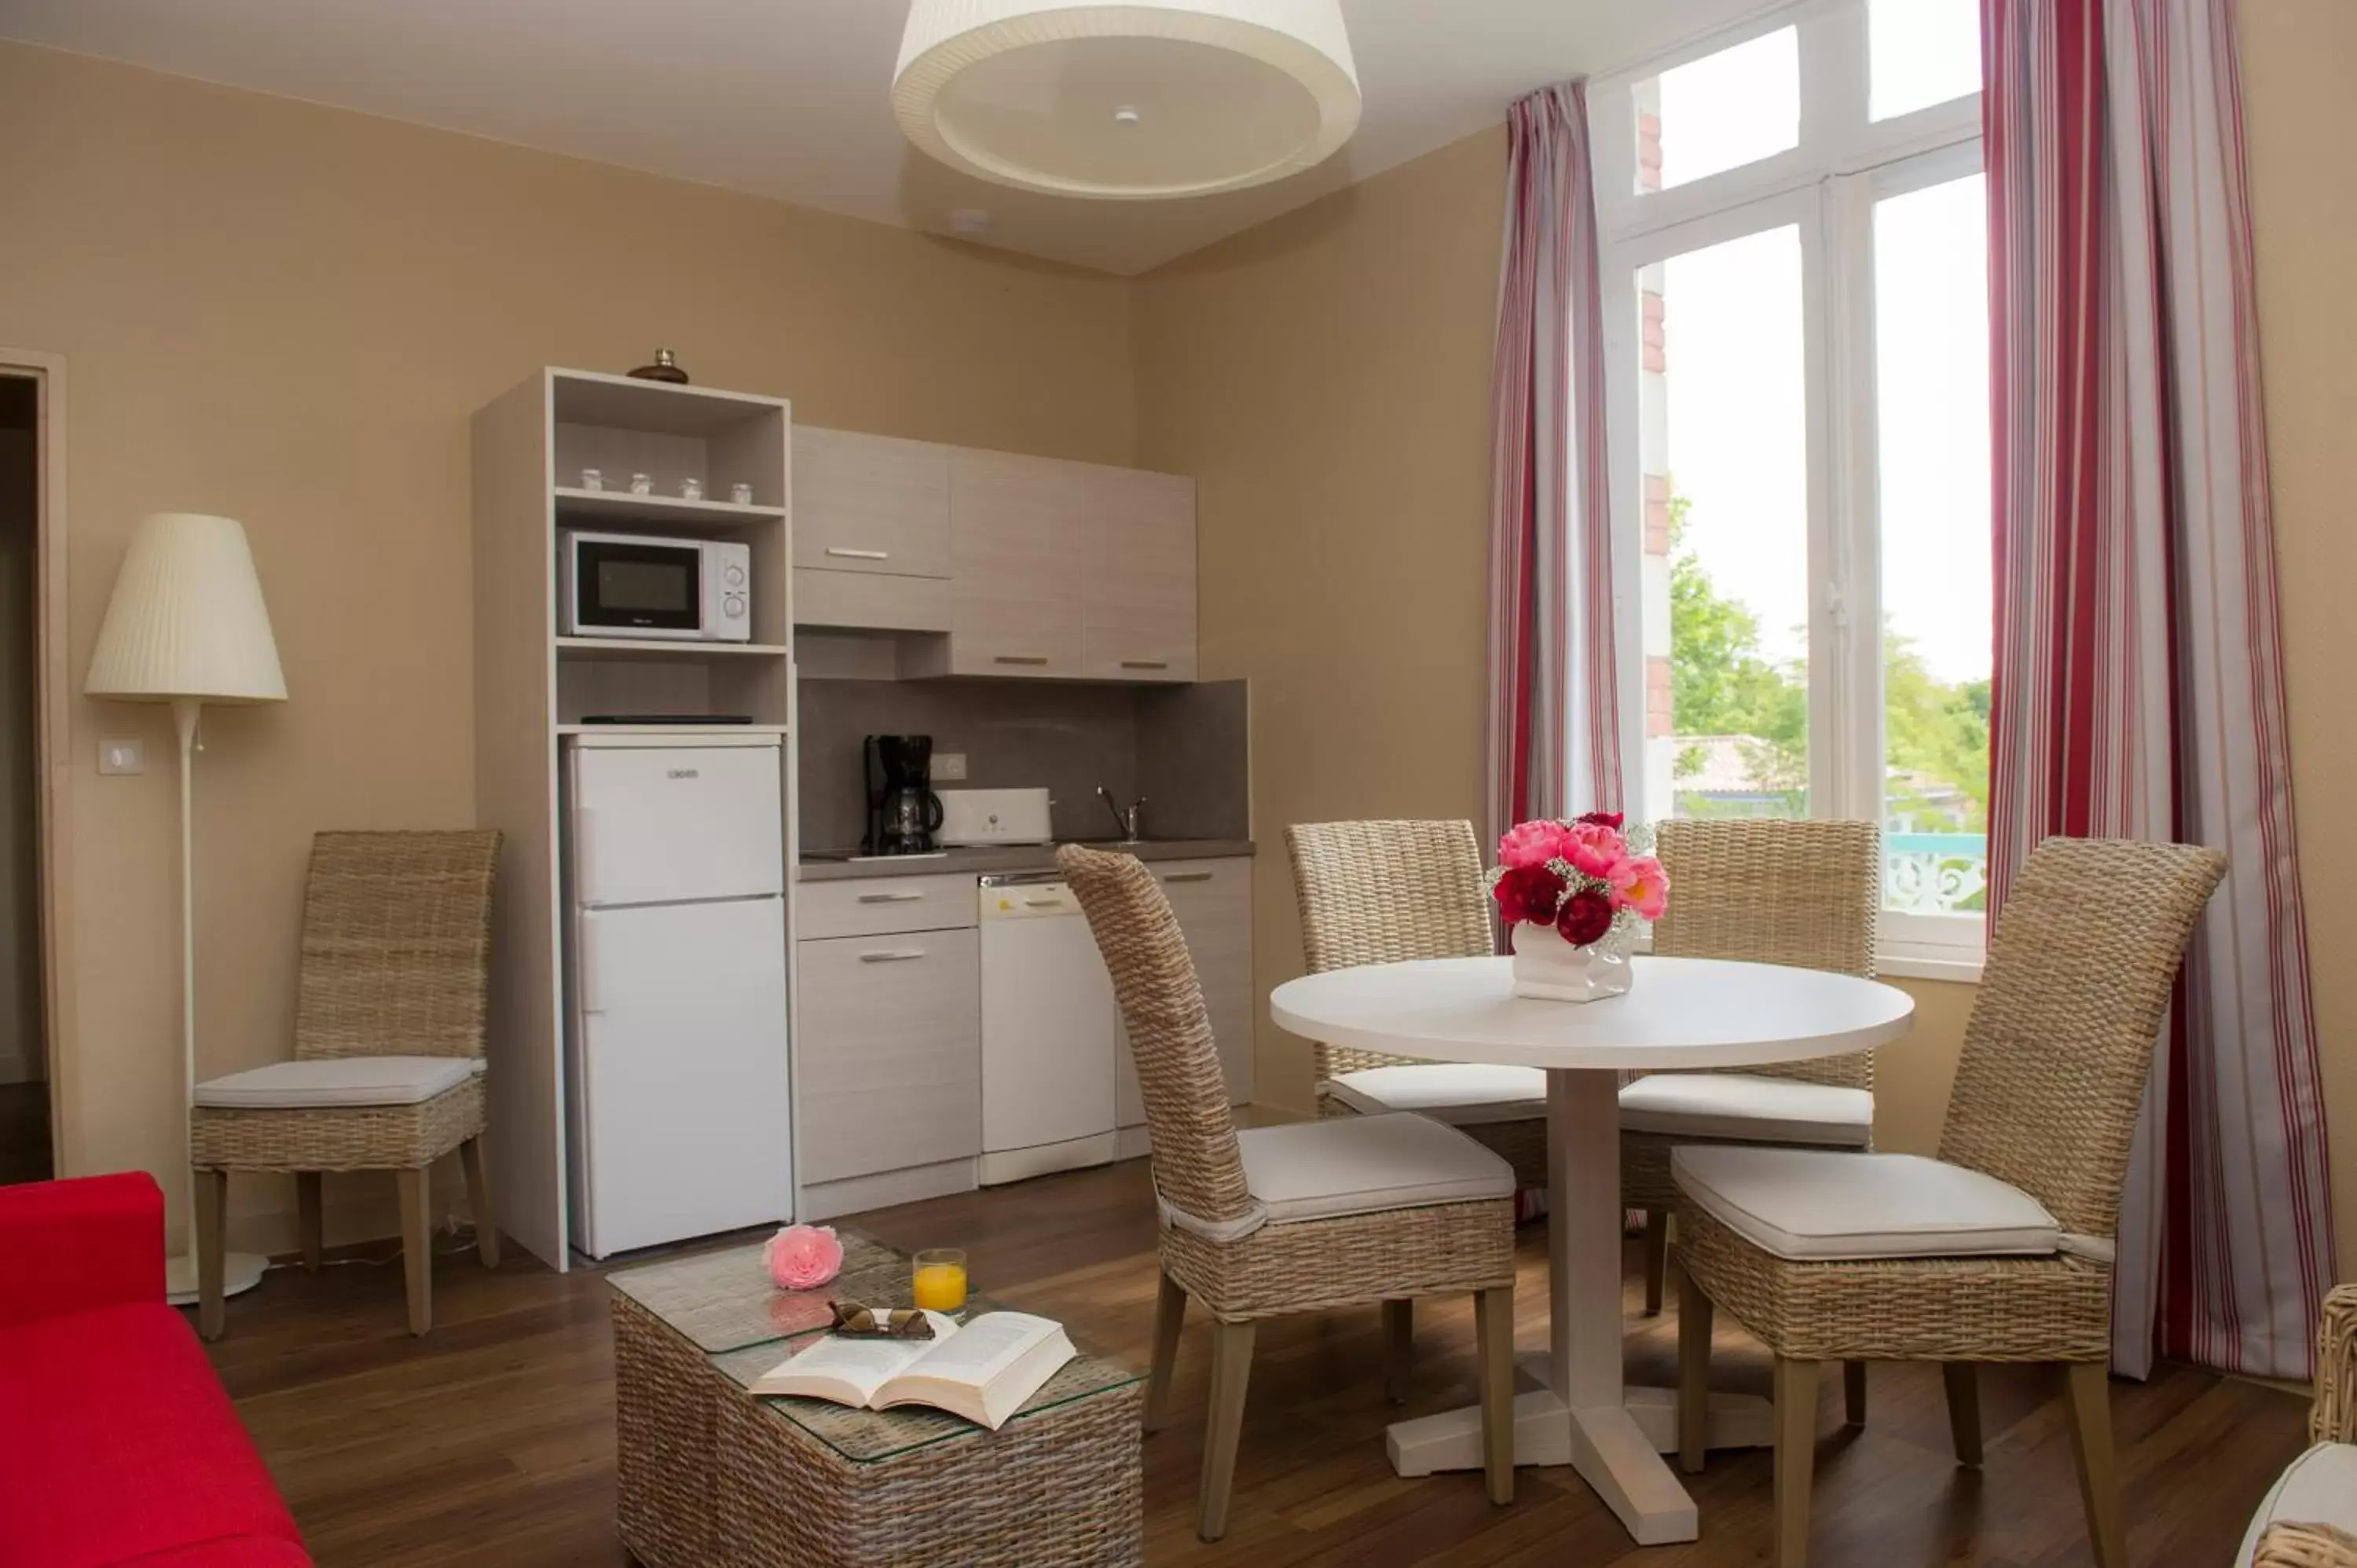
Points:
[534,687]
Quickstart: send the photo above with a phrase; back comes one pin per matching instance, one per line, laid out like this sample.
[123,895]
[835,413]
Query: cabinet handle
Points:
[1019,659]
[895,955]
[889,897]
[1189,876]
[847,553]
[1145,664]
[1043,902]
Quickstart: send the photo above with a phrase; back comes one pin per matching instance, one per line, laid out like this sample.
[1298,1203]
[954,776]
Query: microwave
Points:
[630,585]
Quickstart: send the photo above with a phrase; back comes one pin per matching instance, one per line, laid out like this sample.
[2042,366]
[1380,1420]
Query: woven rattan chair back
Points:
[396,944]
[1384,893]
[1196,1167]
[2080,967]
[1770,891]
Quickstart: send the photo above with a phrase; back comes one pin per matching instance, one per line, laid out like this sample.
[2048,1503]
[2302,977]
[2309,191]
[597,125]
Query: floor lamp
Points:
[187,626]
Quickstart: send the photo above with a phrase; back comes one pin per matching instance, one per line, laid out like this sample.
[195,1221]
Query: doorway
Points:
[24,1113]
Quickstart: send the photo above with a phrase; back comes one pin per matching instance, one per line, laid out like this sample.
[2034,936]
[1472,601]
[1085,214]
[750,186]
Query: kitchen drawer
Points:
[869,601]
[876,906]
[888,1054]
[870,503]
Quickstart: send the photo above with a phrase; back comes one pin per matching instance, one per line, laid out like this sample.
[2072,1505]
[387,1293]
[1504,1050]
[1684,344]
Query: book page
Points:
[983,1349]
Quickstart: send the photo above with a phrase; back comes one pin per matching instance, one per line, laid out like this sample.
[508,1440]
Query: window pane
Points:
[1720,111]
[1920,52]
[1726,574]
[1931,329]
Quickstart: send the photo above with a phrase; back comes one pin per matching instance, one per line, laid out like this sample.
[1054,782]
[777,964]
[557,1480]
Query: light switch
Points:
[949,766]
[122,756]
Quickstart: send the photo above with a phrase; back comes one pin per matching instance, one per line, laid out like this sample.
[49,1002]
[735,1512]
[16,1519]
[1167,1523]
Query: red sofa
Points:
[117,1443]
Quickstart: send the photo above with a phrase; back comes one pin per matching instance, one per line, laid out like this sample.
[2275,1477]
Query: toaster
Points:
[972,817]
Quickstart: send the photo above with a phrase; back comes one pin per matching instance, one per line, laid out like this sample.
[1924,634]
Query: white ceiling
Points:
[790,99]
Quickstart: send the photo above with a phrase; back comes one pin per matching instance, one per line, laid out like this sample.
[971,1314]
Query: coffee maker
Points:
[902,810]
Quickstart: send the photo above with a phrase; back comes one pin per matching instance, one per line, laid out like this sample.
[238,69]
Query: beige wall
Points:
[2301,123]
[287,314]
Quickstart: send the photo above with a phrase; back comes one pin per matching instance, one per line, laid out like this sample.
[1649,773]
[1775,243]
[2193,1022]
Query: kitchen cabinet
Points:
[1137,593]
[1016,562]
[1212,901]
[874,906]
[890,1066]
[872,504]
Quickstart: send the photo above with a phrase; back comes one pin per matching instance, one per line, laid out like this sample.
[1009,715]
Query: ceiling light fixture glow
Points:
[1127,101]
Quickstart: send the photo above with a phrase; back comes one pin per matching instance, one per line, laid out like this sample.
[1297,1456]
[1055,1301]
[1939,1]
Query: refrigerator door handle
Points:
[585,857]
[585,966]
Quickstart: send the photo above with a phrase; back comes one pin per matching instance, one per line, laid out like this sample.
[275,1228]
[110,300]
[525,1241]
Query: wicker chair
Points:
[1267,1221]
[2309,1517]
[388,1062]
[2001,1249]
[1766,891]
[1386,893]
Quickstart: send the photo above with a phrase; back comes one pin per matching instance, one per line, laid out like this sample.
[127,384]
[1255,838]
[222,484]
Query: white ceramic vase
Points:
[1547,967]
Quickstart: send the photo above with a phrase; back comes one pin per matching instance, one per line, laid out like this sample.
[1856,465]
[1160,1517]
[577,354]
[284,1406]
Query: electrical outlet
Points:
[122,756]
[949,766]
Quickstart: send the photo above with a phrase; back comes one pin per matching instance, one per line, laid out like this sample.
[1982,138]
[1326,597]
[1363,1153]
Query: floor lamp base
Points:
[241,1271]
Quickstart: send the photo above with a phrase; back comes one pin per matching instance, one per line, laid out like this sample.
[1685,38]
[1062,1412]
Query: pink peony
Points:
[1603,819]
[803,1257]
[1642,885]
[1531,843]
[1594,849]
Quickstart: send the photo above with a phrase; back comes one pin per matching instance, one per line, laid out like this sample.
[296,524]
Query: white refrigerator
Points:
[675,997]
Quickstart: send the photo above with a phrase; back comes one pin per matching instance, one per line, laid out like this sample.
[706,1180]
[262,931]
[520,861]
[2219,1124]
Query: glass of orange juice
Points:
[940,1279]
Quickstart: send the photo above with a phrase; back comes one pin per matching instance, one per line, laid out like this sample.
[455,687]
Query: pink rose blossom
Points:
[803,1257]
[1532,843]
[1642,885]
[1593,849]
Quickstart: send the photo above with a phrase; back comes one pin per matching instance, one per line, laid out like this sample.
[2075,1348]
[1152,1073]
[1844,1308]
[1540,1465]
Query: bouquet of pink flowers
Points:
[1584,877]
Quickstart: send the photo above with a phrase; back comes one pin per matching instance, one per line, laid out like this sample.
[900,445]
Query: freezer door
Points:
[680,1021]
[663,824]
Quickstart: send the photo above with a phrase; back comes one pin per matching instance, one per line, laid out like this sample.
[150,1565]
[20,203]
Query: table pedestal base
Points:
[1583,1415]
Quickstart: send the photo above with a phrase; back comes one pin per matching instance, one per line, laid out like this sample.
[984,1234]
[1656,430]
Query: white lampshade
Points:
[1127,102]
[186,618]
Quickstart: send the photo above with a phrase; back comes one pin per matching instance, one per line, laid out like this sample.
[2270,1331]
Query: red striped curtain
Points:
[2139,668]
[1553,724]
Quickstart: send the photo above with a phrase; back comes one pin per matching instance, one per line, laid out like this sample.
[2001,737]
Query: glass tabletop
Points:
[724,1304]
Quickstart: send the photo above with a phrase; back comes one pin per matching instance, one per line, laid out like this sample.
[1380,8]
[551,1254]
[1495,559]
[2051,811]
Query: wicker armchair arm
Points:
[2334,1419]
[2305,1546]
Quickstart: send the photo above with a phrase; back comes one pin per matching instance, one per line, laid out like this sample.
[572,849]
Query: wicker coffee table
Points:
[710,1475]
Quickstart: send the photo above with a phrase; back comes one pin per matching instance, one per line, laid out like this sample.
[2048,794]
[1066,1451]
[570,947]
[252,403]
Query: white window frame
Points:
[1825,187]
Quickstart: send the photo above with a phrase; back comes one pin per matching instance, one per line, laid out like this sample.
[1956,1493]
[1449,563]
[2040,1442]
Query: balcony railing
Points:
[1935,873]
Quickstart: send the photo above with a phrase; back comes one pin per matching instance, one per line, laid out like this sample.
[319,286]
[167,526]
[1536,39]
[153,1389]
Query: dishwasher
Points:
[1048,1032]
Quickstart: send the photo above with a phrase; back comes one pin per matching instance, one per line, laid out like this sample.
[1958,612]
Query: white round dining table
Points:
[1679,1014]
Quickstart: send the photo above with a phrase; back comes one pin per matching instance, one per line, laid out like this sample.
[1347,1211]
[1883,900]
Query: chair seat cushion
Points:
[1365,1165]
[1813,1204]
[2318,1487]
[323,1082]
[1748,1108]
[1459,1094]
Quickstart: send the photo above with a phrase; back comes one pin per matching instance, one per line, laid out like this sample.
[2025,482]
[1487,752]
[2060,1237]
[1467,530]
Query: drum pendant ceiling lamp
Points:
[1127,102]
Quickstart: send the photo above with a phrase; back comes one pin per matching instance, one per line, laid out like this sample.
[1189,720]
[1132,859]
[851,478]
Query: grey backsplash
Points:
[1186,749]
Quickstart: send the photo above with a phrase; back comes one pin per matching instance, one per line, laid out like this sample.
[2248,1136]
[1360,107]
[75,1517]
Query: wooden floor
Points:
[491,1441]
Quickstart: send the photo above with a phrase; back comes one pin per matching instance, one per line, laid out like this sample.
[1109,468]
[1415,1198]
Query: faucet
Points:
[1129,818]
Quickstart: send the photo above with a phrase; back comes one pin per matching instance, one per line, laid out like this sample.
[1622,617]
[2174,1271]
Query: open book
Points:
[983,1371]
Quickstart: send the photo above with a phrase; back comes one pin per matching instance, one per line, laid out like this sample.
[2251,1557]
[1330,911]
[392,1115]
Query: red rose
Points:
[1527,894]
[1586,917]
[1604,820]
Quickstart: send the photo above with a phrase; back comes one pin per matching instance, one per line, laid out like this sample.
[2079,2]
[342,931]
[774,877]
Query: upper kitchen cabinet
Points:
[1138,594]
[1015,563]
[870,503]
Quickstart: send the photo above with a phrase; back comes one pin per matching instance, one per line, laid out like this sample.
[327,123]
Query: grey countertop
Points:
[1007,857]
